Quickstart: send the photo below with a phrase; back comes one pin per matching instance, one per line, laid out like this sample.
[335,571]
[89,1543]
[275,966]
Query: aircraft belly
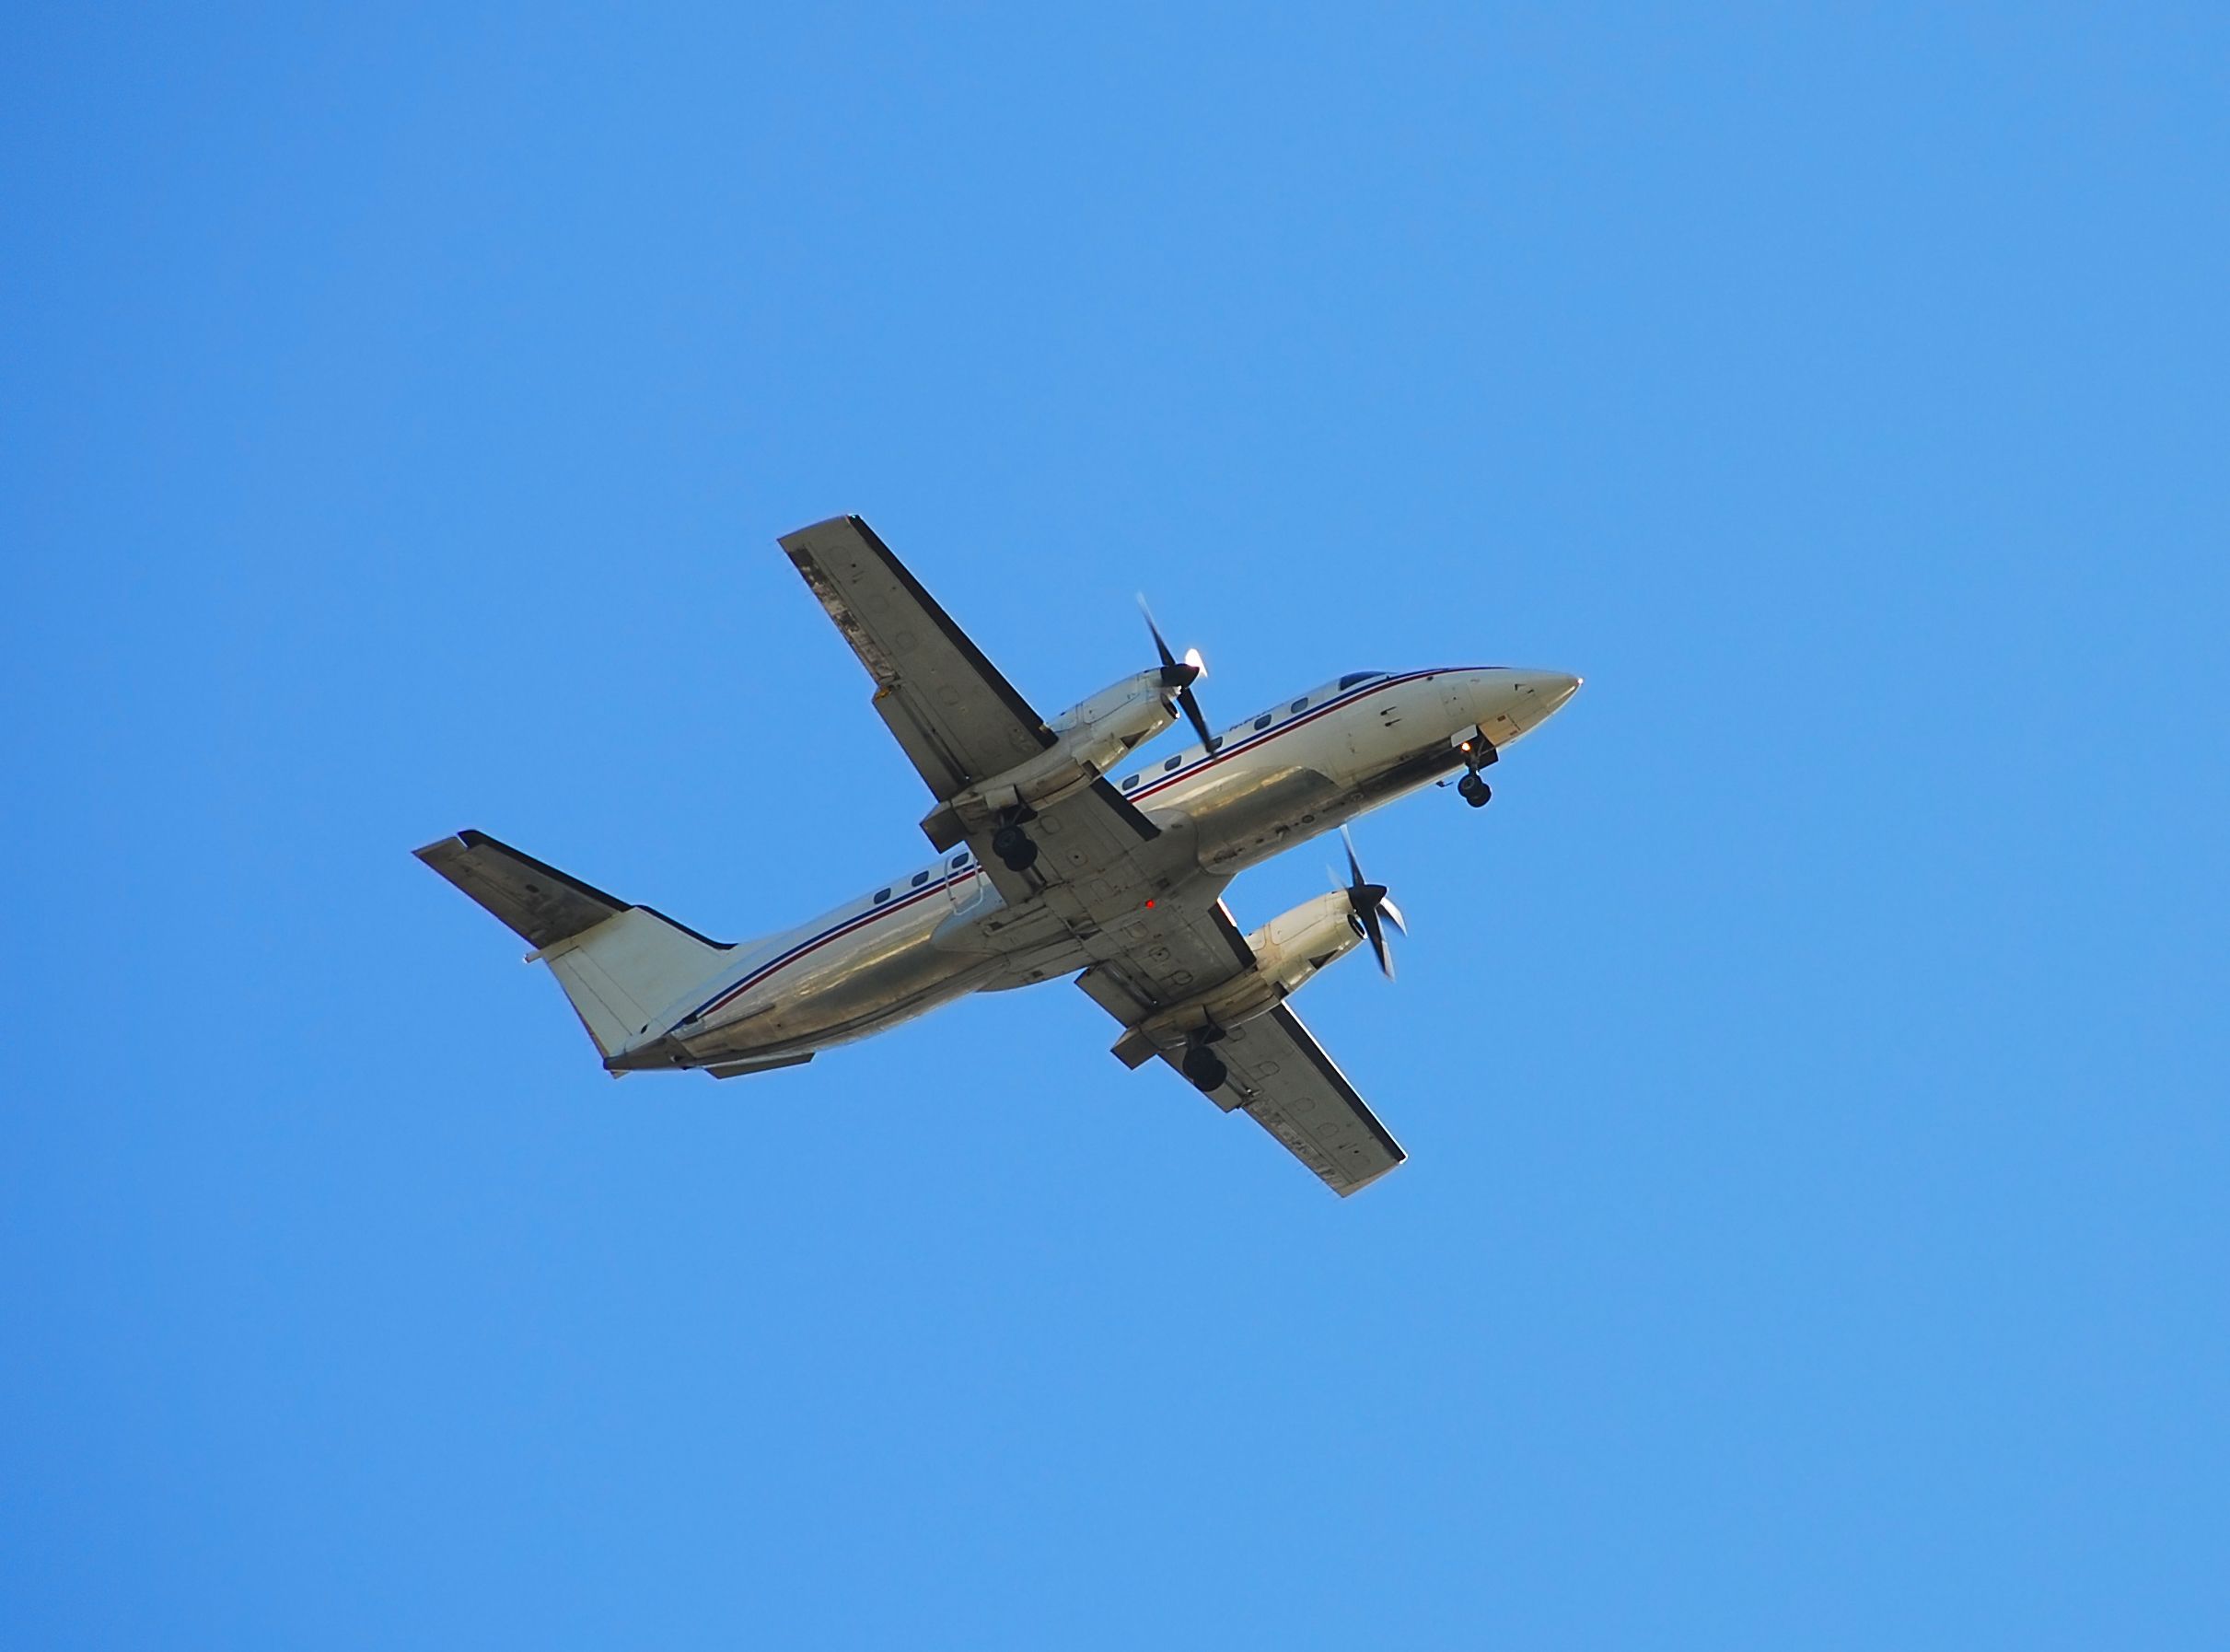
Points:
[851,988]
[1256,810]
[1409,772]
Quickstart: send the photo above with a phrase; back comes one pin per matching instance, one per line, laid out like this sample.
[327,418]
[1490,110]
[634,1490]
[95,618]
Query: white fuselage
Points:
[941,931]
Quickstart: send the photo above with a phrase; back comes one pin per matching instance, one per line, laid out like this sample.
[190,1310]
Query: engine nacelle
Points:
[1089,738]
[1295,944]
[1129,713]
[1288,951]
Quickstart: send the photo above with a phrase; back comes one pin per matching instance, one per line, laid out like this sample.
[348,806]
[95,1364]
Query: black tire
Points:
[1481,797]
[1205,1068]
[1006,842]
[1022,858]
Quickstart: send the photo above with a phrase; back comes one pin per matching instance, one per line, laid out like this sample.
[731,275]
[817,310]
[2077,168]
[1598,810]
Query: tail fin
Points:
[619,965]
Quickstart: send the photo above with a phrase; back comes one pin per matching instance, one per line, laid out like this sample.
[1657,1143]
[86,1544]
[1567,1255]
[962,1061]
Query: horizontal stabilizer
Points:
[540,904]
[622,966]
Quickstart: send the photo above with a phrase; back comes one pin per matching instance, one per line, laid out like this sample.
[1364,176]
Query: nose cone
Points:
[1553,688]
[1509,702]
[1540,694]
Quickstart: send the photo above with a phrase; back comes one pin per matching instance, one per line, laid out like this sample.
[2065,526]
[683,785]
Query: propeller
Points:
[1370,904]
[1181,675]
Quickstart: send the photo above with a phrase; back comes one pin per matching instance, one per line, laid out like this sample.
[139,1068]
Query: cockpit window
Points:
[1352,678]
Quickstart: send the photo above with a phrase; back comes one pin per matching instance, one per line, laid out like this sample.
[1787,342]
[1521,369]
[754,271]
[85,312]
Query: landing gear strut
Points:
[1478,752]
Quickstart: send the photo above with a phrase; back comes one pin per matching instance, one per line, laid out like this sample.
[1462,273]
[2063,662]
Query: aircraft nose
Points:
[1546,691]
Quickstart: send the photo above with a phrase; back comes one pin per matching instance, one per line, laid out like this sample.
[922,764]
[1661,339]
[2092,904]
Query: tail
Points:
[621,966]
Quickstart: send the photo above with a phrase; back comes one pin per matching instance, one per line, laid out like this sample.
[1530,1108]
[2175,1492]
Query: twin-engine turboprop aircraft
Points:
[1047,868]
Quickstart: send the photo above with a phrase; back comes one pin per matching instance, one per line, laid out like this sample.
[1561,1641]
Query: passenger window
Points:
[1128,781]
[881,896]
[1171,765]
[959,860]
[920,879]
[1265,720]
[1300,705]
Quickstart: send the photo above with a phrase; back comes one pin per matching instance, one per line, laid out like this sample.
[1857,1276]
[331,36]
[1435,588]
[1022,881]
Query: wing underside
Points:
[1292,1089]
[1277,1073]
[951,711]
[961,722]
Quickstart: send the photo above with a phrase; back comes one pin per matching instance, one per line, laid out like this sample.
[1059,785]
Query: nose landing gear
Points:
[1478,752]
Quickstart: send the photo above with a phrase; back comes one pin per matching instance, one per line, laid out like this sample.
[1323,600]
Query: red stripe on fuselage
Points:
[1232,749]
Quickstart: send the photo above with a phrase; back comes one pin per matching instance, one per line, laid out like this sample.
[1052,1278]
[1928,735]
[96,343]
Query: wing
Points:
[1278,1072]
[961,722]
[1282,1075]
[1163,955]
[955,716]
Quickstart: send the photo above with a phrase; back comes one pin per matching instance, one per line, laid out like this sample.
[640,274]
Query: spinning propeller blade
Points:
[1179,675]
[1371,906]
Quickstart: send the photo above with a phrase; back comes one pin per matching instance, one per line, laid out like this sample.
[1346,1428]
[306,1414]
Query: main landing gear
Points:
[1478,752]
[1011,845]
[1204,1066]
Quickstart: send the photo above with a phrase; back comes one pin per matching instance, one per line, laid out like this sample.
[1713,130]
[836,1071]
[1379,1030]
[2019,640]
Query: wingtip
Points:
[793,540]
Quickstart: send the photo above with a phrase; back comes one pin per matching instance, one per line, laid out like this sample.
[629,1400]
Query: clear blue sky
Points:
[1812,1065]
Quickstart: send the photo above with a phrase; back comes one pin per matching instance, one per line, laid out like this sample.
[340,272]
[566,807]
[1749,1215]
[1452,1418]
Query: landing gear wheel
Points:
[1205,1067]
[1474,791]
[1011,845]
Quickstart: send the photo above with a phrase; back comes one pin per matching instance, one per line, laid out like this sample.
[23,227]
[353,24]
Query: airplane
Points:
[1049,867]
